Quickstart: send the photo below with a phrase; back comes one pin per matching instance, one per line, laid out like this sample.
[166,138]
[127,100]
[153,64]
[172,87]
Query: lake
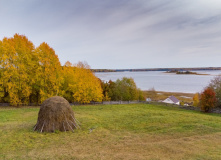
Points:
[169,82]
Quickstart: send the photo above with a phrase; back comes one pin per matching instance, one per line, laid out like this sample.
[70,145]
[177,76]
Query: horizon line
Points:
[218,68]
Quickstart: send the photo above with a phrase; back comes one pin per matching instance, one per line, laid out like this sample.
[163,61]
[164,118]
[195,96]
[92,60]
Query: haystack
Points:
[56,114]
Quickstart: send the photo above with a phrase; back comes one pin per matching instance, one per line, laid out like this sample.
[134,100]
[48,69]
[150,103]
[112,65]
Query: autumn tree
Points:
[2,93]
[80,84]
[196,100]
[29,74]
[48,77]
[87,86]
[16,67]
[207,99]
[68,81]
[215,84]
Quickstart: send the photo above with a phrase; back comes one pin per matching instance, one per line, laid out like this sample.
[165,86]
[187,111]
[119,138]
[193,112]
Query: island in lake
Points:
[185,72]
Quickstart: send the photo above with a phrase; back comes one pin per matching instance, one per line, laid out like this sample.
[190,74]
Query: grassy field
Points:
[138,131]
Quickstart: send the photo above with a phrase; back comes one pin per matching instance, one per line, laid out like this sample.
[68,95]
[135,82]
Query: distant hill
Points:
[156,69]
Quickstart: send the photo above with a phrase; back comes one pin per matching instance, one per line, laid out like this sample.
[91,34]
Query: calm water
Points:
[164,81]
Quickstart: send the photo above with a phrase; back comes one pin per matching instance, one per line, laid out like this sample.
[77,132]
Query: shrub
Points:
[182,103]
[207,99]
[196,100]
[124,89]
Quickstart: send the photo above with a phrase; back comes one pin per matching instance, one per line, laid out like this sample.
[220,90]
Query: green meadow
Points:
[135,131]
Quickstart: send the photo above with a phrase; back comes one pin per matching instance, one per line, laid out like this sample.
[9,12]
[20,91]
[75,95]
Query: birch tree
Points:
[48,77]
[16,65]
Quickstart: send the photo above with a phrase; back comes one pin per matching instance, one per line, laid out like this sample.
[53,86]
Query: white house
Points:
[172,100]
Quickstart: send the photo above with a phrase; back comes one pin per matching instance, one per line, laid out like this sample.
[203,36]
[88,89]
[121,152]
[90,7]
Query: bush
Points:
[207,99]
[196,100]
[124,89]
[182,103]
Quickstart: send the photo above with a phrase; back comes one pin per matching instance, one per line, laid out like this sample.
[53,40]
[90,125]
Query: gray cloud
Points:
[120,34]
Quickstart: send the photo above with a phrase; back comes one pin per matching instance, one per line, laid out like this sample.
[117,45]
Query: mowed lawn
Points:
[137,131]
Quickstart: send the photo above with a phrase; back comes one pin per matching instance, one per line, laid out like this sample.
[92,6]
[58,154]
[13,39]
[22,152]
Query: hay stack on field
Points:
[56,114]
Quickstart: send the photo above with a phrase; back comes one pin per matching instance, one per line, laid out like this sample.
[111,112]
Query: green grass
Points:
[137,131]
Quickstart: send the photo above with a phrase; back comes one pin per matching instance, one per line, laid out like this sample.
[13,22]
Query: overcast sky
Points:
[120,33]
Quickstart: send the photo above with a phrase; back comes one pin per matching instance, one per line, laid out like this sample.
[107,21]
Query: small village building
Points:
[172,100]
[148,99]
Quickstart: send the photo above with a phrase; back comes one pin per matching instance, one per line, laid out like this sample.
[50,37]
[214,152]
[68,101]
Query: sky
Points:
[120,34]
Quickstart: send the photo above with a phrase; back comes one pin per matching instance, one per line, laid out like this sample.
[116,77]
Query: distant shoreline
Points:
[158,69]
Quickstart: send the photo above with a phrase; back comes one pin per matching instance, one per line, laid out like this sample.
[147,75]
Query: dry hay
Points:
[56,114]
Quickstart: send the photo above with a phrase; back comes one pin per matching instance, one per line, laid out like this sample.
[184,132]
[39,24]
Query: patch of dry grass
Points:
[140,131]
[159,95]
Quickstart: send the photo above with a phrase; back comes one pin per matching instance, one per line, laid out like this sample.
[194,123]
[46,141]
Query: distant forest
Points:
[156,69]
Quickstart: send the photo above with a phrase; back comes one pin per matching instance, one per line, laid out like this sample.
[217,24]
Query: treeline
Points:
[30,74]
[103,70]
[157,69]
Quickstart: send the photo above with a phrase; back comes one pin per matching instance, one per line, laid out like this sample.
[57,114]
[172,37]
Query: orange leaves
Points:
[207,99]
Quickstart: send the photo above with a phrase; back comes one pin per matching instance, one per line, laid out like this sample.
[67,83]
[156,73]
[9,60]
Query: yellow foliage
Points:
[16,55]
[106,97]
[48,76]
[29,74]
[196,100]
[82,83]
